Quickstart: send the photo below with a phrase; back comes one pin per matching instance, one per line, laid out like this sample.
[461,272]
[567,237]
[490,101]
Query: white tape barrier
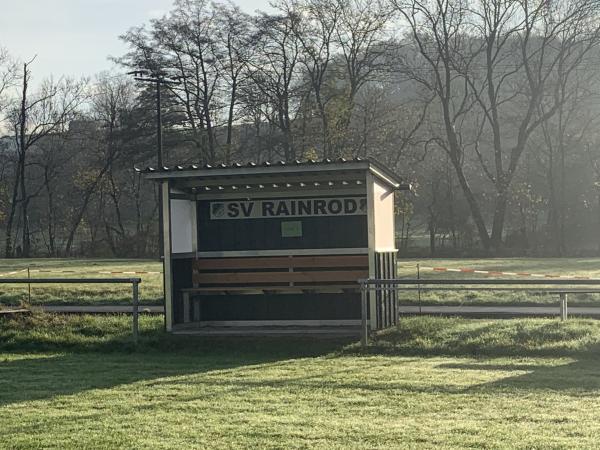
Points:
[498,273]
[81,271]
[12,273]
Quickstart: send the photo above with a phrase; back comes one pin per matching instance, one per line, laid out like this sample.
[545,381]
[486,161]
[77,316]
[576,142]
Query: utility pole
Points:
[159,78]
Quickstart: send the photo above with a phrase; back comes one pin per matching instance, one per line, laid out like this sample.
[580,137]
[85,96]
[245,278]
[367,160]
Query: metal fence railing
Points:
[379,299]
[133,281]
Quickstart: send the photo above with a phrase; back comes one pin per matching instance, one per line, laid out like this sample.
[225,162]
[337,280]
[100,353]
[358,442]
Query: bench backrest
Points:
[280,270]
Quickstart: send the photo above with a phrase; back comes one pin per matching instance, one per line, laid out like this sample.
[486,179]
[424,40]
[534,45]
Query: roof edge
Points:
[266,168]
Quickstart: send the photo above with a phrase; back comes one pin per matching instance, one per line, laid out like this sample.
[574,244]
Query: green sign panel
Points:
[291,229]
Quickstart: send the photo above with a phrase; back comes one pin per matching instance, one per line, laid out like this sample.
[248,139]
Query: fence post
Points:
[563,306]
[28,287]
[135,310]
[419,287]
[364,328]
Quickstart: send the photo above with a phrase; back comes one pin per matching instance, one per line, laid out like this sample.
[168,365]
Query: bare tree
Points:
[8,77]
[37,117]
[362,36]
[316,32]
[490,65]
[97,174]
[183,45]
[234,34]
[275,72]
[562,139]
[114,98]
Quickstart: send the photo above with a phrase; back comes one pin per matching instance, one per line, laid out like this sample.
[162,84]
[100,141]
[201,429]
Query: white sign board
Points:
[282,208]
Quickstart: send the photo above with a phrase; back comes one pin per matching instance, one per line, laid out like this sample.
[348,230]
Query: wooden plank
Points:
[167,252]
[277,262]
[281,322]
[308,288]
[281,262]
[331,261]
[281,252]
[279,277]
[394,292]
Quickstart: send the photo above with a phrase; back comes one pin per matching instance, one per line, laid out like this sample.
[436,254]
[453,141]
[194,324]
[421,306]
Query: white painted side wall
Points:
[182,226]
[383,206]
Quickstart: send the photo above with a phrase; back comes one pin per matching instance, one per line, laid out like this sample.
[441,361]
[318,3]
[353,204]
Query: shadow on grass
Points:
[579,377]
[59,333]
[44,355]
[47,356]
[25,377]
[440,336]
[577,340]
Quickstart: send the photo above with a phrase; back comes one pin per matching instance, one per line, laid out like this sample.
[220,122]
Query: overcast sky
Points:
[75,37]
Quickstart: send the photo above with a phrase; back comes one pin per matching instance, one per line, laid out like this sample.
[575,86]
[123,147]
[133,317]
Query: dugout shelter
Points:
[276,244]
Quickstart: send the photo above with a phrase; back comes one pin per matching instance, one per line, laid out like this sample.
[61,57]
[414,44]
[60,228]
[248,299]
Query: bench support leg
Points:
[196,309]
[186,307]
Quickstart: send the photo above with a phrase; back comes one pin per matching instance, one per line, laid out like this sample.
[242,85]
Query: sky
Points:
[76,37]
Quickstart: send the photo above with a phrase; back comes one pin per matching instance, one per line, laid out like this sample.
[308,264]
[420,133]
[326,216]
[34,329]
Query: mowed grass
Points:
[77,382]
[572,267]
[79,294]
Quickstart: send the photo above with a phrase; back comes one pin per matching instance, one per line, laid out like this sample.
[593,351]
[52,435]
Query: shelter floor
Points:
[316,331]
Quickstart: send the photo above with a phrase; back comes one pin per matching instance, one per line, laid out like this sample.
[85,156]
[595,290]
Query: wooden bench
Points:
[277,274]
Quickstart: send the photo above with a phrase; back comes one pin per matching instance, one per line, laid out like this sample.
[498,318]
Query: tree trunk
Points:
[498,220]
[22,143]
[431,238]
[324,123]
[86,199]
[26,238]
[473,205]
[50,212]
[562,201]
[8,248]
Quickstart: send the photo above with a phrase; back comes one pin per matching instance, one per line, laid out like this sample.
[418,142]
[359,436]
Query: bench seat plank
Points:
[224,290]
[281,262]
[217,289]
[280,277]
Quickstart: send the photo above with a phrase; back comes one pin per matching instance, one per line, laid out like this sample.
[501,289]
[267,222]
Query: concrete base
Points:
[291,331]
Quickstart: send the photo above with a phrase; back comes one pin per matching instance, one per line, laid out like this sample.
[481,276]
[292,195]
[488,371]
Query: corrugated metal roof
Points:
[268,167]
[296,162]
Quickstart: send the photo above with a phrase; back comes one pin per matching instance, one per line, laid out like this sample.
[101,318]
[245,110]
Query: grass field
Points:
[76,382]
[575,267]
[56,294]
[151,287]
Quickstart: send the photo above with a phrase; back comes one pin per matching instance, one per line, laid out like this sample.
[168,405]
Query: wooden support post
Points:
[373,307]
[167,263]
[372,299]
[364,324]
[563,306]
[186,307]
[135,311]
